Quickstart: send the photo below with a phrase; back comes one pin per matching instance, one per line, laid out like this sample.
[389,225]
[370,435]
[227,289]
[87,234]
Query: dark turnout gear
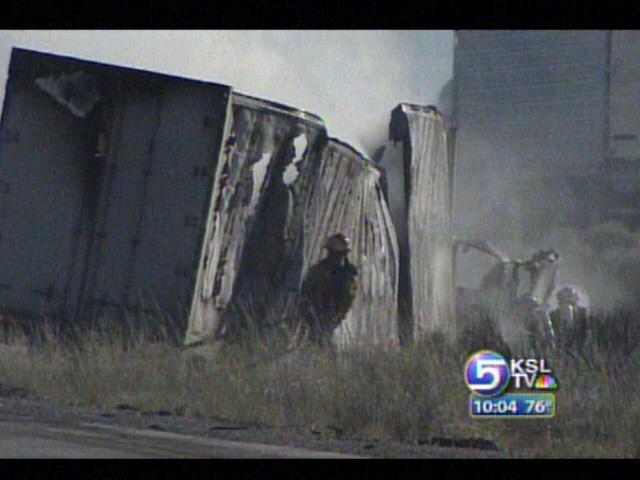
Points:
[540,331]
[569,320]
[328,292]
[570,325]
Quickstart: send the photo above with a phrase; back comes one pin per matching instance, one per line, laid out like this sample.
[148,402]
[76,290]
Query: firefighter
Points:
[538,325]
[328,291]
[569,320]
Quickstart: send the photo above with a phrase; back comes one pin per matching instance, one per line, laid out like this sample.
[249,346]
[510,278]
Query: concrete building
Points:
[547,131]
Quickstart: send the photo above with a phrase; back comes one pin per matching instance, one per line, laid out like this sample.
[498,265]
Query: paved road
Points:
[87,440]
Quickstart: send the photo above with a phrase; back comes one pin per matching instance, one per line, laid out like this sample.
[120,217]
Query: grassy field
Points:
[408,395]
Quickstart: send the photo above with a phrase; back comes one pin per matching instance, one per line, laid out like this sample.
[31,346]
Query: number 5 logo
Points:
[487,373]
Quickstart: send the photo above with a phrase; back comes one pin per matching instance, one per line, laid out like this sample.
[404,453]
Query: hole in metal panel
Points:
[259,174]
[292,172]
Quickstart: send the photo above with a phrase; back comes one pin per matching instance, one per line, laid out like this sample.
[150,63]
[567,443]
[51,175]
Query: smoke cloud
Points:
[515,197]
[352,79]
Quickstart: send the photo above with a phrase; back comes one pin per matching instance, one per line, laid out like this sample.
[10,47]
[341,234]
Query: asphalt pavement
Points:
[31,439]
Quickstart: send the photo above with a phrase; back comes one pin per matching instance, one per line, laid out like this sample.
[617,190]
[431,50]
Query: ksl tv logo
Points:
[487,373]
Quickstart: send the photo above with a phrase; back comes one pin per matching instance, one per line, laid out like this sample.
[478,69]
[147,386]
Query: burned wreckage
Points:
[125,192]
[507,311]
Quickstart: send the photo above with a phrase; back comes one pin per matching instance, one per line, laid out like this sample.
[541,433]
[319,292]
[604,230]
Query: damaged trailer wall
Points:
[250,236]
[107,175]
[282,188]
[348,198]
[426,290]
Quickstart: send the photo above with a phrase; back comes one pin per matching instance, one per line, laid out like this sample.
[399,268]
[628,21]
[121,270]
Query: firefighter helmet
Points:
[528,301]
[338,243]
[567,295]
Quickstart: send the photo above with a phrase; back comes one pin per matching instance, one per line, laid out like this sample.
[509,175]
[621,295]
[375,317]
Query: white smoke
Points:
[353,79]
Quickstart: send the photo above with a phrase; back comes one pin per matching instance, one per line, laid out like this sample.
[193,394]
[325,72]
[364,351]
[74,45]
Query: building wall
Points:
[624,129]
[529,107]
[622,168]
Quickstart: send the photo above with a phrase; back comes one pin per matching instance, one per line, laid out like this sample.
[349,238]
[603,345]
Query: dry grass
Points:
[410,394]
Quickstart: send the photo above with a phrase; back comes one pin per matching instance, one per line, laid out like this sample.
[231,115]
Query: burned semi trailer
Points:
[106,176]
[271,153]
[125,192]
[283,187]
[421,203]
[348,198]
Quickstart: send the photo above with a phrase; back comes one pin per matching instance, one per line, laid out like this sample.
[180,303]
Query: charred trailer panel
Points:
[251,261]
[281,189]
[109,175]
[426,291]
[348,198]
